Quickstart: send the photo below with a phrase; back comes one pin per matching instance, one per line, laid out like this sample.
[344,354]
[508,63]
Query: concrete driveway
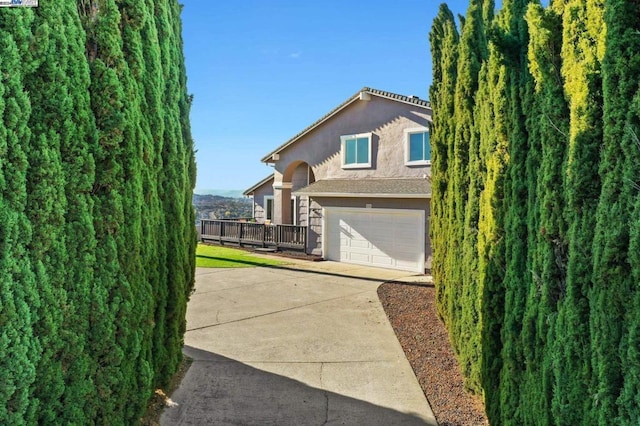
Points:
[304,344]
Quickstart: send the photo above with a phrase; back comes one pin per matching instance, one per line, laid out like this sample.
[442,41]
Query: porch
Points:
[242,233]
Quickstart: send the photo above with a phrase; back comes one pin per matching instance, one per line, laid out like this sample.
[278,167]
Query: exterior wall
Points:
[385,118]
[314,245]
[303,209]
[301,178]
[258,201]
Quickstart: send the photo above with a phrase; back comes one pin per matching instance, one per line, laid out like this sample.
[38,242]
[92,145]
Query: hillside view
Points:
[218,207]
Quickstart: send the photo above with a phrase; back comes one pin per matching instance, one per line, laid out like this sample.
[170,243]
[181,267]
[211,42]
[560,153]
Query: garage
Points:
[384,238]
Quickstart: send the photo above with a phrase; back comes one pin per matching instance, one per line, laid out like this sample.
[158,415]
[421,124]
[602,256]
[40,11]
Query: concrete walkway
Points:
[305,344]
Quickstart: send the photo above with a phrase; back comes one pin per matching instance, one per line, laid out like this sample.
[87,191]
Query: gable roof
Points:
[413,100]
[258,185]
[376,188]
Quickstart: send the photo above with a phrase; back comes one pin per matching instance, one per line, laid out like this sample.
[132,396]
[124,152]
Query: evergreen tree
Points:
[491,120]
[94,139]
[444,40]
[76,151]
[613,285]
[176,188]
[582,50]
[463,310]
[555,278]
[19,348]
[470,322]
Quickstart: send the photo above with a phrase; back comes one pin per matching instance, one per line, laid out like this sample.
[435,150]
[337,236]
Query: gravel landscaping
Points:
[411,310]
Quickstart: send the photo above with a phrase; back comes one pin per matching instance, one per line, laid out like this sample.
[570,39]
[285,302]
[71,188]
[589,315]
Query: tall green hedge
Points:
[547,176]
[96,227]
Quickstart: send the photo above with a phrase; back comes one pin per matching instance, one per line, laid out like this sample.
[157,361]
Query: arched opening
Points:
[295,209]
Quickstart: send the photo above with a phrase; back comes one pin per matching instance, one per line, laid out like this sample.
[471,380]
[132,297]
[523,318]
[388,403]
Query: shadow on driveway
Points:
[299,268]
[222,391]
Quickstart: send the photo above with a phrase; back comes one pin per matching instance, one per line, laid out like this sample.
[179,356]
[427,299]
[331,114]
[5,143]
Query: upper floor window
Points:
[268,207]
[356,150]
[417,147]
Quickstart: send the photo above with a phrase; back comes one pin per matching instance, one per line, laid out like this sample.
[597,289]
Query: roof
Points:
[413,100]
[373,188]
[258,185]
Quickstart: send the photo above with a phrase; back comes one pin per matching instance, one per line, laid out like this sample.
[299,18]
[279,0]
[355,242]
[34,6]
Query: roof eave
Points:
[381,94]
[360,195]
[269,157]
[251,190]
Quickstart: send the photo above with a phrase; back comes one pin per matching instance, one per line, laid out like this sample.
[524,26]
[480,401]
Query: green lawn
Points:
[224,257]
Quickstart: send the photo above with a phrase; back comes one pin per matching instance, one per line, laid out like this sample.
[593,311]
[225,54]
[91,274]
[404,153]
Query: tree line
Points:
[96,223]
[536,206]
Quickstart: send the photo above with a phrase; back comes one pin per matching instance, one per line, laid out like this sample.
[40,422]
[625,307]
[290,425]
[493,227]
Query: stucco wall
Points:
[315,217]
[258,201]
[385,118]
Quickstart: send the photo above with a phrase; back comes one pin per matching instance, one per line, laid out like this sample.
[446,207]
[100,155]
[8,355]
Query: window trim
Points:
[294,211]
[407,146]
[343,152]
[268,198]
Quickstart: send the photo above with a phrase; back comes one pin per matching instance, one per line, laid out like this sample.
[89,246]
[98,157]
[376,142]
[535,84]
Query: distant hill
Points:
[208,206]
[229,193]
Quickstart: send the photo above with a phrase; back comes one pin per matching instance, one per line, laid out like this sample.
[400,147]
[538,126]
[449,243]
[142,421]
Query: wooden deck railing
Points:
[292,237]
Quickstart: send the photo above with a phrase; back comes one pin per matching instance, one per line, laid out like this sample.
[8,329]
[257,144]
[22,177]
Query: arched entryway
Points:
[294,209]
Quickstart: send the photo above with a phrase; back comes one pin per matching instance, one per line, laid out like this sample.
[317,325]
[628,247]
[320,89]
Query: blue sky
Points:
[263,70]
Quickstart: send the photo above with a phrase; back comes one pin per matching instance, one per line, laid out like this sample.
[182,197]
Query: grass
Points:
[225,257]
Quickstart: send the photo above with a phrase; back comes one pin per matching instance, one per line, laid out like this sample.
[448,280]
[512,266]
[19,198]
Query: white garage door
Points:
[386,238]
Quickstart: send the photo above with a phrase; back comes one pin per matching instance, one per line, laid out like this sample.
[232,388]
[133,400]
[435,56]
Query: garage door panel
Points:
[376,237]
[381,260]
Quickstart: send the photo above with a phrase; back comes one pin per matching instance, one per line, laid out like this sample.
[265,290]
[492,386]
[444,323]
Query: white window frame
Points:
[343,152]
[273,205]
[407,147]
[294,213]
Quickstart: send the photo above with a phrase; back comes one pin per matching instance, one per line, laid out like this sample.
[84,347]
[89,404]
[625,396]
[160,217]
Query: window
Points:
[268,207]
[417,147]
[356,150]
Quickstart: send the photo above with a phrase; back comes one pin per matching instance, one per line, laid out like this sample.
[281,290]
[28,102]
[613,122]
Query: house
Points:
[359,180]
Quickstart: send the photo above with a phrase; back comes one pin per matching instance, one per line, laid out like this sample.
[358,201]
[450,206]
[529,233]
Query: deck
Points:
[242,233]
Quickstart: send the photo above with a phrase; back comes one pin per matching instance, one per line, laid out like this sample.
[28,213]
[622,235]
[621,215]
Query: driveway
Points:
[304,344]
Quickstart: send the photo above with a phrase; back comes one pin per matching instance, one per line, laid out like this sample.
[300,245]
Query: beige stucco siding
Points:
[316,218]
[384,118]
[258,201]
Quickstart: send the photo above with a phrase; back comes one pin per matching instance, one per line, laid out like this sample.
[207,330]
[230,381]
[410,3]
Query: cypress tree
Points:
[444,40]
[582,53]
[94,137]
[614,272]
[176,188]
[476,172]
[19,345]
[153,109]
[491,118]
[629,411]
[512,44]
[139,153]
[46,201]
[547,247]
[76,151]
[556,275]
[462,310]
[109,324]
[613,283]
